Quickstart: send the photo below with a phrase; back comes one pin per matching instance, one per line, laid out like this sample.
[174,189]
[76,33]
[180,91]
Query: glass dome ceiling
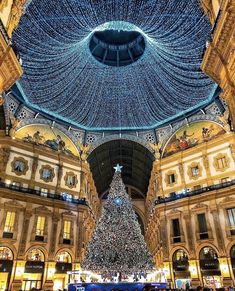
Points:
[114,64]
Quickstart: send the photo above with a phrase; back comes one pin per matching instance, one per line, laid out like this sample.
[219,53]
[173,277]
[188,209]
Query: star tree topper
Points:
[118,168]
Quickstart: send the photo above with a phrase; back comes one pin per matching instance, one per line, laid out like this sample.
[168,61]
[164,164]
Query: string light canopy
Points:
[114,64]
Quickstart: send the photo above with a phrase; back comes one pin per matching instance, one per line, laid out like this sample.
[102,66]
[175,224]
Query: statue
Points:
[156,148]
[14,124]
[224,119]
[37,138]
[84,150]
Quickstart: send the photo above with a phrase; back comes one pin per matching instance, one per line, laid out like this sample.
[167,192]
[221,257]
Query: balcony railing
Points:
[55,196]
[174,196]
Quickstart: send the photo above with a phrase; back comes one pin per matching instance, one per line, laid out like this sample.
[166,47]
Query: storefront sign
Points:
[181,266]
[34,267]
[6,265]
[209,264]
[63,267]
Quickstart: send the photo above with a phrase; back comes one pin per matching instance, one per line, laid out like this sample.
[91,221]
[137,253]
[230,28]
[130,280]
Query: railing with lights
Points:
[63,197]
[176,196]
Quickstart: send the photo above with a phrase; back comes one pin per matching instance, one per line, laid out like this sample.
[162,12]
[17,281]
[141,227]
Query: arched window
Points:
[35,255]
[6,253]
[208,253]
[180,255]
[209,262]
[63,257]
[180,261]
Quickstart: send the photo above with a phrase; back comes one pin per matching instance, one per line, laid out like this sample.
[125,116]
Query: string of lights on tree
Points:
[63,78]
[117,244]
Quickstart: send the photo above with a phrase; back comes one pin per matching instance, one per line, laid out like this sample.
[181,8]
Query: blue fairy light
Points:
[61,76]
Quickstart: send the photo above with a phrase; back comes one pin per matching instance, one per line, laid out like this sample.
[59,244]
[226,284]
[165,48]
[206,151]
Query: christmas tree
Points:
[117,244]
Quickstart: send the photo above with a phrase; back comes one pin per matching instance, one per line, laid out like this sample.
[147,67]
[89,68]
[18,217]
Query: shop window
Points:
[9,225]
[209,264]
[67,232]
[176,230]
[171,179]
[231,220]
[203,232]
[40,228]
[208,253]
[195,171]
[180,261]
[6,265]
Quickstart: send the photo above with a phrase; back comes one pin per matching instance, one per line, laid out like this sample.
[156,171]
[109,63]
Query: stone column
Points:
[80,236]
[164,238]
[189,233]
[24,234]
[54,231]
[33,174]
[218,231]
[181,171]
[207,168]
[4,157]
[59,177]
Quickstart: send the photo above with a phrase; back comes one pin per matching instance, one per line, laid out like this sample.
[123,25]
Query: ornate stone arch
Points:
[229,247]
[67,250]
[12,250]
[113,137]
[177,248]
[203,245]
[41,248]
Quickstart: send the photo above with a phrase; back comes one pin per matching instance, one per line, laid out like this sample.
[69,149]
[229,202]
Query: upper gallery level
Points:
[195,158]
[46,170]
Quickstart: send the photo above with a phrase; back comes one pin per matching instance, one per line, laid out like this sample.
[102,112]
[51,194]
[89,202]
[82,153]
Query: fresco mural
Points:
[46,136]
[192,135]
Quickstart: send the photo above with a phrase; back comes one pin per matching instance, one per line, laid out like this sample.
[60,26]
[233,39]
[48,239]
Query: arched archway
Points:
[181,268]
[63,265]
[135,159]
[34,269]
[6,265]
[209,265]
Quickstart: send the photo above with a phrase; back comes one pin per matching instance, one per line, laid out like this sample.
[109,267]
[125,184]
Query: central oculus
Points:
[117,47]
